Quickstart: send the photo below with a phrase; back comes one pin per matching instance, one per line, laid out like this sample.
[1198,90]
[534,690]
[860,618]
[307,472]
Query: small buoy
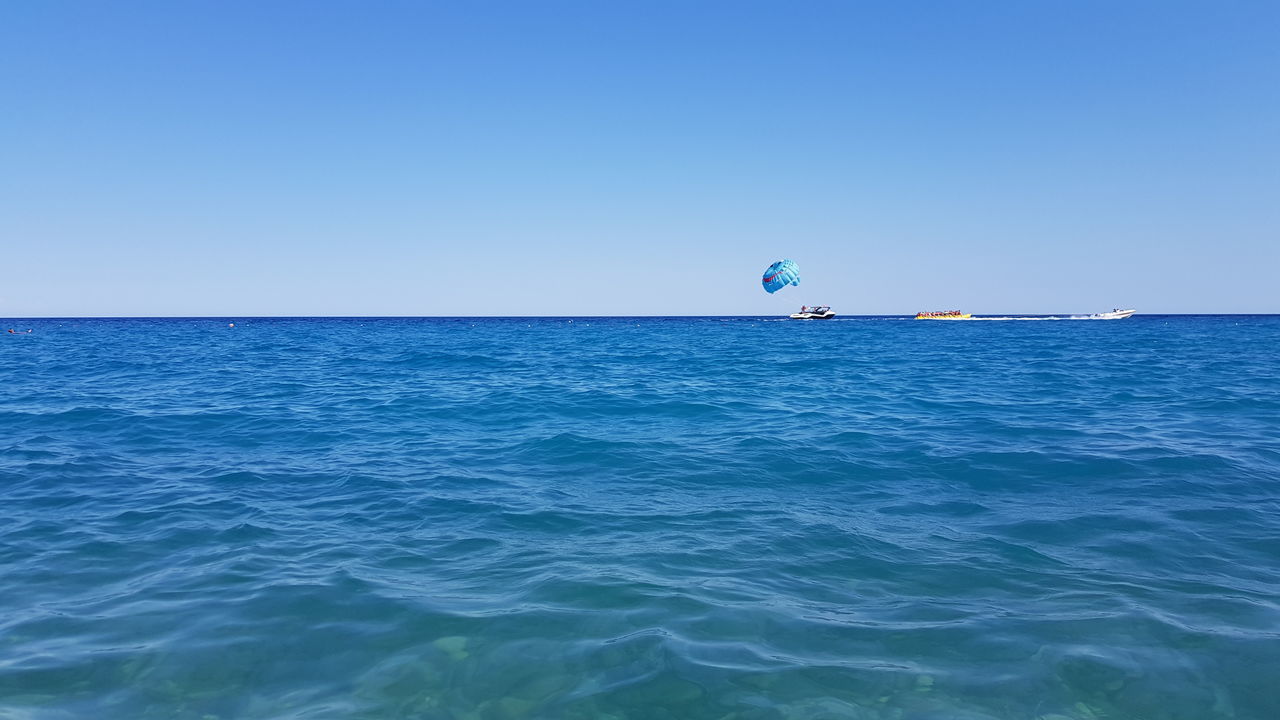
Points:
[230,325]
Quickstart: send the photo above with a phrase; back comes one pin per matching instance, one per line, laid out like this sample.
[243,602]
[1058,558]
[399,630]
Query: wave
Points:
[638,519]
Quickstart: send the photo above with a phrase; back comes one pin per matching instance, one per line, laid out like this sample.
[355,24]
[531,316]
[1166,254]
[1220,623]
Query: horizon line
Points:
[570,317]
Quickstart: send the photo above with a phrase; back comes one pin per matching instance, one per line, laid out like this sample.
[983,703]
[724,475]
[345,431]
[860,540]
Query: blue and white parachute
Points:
[780,275]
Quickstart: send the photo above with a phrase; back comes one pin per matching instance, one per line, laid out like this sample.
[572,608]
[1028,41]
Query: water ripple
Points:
[662,518]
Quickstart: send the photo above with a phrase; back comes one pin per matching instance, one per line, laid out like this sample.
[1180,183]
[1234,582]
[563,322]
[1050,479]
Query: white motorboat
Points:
[819,312]
[1116,314]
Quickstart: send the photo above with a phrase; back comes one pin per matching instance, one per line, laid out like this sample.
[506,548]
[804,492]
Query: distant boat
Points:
[819,312]
[944,315]
[1116,314]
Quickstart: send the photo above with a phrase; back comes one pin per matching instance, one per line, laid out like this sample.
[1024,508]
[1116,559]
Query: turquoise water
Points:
[494,519]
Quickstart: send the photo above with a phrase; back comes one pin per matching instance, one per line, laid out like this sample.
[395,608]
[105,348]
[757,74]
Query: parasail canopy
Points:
[780,275]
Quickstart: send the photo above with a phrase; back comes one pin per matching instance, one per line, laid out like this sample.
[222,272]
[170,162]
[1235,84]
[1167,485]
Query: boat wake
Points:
[1038,317]
[1042,317]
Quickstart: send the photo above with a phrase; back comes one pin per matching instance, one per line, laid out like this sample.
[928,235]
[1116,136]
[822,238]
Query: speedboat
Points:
[1116,314]
[820,312]
[944,315]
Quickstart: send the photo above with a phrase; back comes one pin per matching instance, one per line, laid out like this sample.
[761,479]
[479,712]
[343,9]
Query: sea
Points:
[866,518]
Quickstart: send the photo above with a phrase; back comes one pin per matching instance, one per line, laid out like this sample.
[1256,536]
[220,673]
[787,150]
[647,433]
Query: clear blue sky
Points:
[646,157]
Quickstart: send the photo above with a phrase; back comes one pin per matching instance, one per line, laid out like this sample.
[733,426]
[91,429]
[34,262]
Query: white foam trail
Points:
[1039,317]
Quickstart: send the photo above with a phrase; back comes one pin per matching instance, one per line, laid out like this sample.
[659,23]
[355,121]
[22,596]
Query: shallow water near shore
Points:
[653,518]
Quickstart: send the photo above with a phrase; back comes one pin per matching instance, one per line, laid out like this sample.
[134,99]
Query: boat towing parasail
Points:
[813,312]
[1116,314]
